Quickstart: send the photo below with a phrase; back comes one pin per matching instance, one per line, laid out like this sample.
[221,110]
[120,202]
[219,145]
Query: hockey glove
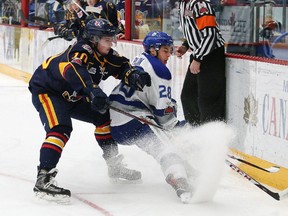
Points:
[62,31]
[137,78]
[99,100]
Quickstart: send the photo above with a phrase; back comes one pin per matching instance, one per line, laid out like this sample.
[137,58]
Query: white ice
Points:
[83,171]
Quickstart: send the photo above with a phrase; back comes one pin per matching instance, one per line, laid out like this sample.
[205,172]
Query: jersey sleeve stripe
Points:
[205,21]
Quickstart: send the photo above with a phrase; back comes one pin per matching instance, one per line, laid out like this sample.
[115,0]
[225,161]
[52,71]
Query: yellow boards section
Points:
[18,74]
[277,178]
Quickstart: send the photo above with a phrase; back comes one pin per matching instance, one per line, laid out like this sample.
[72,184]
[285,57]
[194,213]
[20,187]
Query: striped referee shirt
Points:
[199,27]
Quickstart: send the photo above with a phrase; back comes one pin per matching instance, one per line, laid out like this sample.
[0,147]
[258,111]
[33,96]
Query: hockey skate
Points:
[181,186]
[118,173]
[46,187]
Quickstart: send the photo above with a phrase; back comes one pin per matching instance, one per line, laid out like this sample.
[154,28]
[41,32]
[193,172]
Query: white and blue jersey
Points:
[155,101]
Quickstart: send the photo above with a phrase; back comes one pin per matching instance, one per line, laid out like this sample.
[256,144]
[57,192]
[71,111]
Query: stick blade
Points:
[274,169]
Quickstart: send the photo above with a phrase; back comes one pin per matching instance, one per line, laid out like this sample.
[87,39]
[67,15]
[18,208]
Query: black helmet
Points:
[98,28]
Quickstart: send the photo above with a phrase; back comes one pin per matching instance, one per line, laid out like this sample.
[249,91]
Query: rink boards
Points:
[257,93]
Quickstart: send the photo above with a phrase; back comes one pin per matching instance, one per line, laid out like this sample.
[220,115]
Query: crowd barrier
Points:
[257,88]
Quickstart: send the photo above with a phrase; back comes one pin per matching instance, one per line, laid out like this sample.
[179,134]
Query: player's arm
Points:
[134,77]
[76,74]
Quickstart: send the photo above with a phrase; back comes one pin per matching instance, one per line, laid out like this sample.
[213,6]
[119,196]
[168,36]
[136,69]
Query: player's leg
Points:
[116,168]
[54,115]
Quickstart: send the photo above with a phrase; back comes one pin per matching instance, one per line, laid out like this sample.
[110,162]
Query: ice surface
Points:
[83,171]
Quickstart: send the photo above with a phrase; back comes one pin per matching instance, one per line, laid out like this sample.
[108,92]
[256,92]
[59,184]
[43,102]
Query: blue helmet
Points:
[98,28]
[156,39]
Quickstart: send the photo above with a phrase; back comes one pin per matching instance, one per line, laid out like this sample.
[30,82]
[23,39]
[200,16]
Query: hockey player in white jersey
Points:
[156,103]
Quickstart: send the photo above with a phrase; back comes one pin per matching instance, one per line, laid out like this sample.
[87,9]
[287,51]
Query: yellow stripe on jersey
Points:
[49,110]
[46,63]
[55,141]
[206,21]
[97,58]
[102,130]
[63,66]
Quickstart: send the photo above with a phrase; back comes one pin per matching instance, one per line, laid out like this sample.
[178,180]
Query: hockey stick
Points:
[47,41]
[276,195]
[54,37]
[136,117]
[33,23]
[163,136]
[272,169]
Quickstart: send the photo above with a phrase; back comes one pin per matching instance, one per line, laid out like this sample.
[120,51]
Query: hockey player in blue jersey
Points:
[65,86]
[156,103]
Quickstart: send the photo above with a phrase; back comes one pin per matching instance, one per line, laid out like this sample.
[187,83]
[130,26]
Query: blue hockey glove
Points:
[137,78]
[99,100]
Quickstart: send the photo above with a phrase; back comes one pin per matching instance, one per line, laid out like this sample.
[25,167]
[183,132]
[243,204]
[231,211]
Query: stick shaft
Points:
[250,164]
[80,8]
[136,117]
[275,195]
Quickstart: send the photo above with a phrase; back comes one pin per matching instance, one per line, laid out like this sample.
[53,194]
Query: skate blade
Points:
[186,197]
[58,198]
[124,181]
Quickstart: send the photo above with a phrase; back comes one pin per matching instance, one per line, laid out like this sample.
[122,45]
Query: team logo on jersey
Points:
[88,48]
[169,110]
[203,9]
[92,70]
[71,97]
[102,71]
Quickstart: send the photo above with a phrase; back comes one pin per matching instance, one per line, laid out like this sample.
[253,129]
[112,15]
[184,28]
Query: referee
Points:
[203,92]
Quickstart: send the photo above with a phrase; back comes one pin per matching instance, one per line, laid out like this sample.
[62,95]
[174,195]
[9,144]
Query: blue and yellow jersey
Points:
[77,69]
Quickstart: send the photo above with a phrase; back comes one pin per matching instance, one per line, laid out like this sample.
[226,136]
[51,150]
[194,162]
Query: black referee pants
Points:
[203,95]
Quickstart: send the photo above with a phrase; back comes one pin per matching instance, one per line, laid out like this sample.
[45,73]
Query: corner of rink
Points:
[15,73]
[277,180]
